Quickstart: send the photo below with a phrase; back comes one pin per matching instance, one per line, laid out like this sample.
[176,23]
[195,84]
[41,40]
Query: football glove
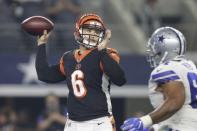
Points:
[132,124]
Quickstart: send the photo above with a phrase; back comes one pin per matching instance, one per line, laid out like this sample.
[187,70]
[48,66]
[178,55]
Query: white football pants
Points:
[99,124]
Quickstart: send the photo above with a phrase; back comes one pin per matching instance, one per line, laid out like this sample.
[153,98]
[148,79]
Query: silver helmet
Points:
[165,44]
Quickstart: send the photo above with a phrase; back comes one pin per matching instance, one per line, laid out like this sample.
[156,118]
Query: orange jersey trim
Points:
[113,54]
[62,66]
[79,57]
[101,66]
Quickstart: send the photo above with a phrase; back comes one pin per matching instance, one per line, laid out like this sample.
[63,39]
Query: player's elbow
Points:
[172,110]
[178,106]
[44,77]
[119,81]
[40,74]
[47,80]
[41,77]
[175,106]
[176,102]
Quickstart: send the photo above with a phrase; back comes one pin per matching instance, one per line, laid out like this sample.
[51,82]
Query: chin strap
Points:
[163,58]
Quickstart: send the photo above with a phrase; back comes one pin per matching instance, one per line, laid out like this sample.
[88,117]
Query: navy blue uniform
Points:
[88,78]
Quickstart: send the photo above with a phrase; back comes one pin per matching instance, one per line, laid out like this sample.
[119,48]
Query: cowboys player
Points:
[172,85]
[88,72]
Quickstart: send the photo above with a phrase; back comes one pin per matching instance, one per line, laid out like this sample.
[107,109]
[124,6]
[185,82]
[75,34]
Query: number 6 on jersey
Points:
[78,85]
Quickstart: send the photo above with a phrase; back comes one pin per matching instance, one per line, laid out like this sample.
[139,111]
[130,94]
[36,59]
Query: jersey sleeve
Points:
[164,74]
[110,66]
[113,54]
[45,72]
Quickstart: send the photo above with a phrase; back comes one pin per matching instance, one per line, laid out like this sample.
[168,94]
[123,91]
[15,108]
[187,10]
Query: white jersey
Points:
[177,70]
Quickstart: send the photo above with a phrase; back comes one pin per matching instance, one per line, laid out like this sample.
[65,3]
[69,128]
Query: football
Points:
[35,25]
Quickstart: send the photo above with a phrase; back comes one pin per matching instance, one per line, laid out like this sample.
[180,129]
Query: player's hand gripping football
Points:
[43,39]
[106,40]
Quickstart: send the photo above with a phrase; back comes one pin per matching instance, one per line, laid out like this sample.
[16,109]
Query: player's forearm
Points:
[174,94]
[46,73]
[41,59]
[166,110]
[112,69]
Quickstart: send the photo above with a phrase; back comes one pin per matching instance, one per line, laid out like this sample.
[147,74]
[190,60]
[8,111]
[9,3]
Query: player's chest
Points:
[89,64]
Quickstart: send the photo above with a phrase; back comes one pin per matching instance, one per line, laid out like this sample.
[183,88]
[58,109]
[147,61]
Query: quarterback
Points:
[172,86]
[88,71]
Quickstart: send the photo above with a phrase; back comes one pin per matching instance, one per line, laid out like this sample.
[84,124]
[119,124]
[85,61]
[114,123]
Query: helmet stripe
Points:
[181,48]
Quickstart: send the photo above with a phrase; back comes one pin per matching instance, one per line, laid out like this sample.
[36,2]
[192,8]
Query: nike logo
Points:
[100,123]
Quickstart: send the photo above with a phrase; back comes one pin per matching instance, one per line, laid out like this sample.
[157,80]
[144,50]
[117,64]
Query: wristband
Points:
[146,120]
[156,127]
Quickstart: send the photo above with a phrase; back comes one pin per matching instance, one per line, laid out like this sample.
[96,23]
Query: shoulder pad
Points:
[164,73]
[111,50]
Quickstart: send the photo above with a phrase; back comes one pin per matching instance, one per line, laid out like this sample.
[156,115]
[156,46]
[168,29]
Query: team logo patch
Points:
[78,66]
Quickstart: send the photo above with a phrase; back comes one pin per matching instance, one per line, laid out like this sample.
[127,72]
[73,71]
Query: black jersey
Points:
[88,78]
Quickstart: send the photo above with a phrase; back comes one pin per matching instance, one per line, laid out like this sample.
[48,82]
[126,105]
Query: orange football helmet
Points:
[89,21]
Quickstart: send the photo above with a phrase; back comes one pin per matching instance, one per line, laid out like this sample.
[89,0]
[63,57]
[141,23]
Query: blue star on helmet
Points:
[161,38]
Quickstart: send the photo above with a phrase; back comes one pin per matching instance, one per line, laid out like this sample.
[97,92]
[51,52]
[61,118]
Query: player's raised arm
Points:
[110,62]
[46,72]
